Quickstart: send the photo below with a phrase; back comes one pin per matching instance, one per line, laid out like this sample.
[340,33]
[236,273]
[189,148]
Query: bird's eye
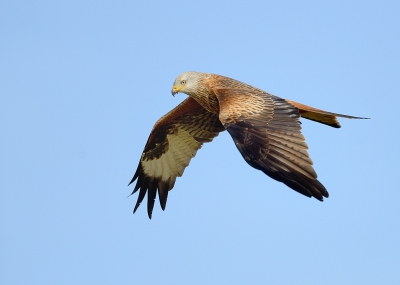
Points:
[183,82]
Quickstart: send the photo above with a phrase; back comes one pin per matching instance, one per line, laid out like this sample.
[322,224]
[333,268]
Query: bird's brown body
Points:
[265,129]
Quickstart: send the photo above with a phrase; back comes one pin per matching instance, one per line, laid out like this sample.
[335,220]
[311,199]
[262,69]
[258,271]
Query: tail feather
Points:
[319,115]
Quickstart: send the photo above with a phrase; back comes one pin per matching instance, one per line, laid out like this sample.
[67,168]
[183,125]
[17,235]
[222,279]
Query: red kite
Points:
[264,127]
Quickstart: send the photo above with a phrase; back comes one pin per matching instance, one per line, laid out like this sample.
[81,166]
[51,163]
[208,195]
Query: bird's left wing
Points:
[172,143]
[266,130]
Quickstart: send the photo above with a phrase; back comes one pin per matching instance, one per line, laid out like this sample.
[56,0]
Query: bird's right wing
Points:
[172,143]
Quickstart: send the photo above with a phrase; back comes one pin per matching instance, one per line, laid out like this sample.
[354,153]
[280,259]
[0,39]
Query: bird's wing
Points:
[266,130]
[172,143]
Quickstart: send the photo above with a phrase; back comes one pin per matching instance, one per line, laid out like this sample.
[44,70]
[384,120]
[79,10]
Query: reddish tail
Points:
[320,116]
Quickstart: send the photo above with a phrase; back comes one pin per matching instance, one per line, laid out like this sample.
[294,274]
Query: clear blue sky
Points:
[83,82]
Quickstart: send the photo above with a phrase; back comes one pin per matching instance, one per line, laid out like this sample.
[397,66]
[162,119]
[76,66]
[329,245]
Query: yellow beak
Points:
[176,89]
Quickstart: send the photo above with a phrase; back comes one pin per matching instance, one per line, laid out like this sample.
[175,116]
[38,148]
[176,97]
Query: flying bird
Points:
[265,129]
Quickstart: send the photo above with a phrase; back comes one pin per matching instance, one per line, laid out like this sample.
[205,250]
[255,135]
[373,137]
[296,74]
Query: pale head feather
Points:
[188,82]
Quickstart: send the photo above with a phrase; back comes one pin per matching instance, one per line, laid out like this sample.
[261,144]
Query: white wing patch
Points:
[171,164]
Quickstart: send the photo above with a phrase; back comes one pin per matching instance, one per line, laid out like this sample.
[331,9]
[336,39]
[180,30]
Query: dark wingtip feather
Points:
[300,183]
[149,186]
[163,194]
[137,174]
[142,193]
[151,197]
[139,180]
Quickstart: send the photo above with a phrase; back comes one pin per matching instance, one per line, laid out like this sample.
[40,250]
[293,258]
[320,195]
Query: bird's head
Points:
[187,82]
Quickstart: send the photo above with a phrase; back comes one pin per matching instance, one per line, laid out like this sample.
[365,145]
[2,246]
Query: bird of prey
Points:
[264,128]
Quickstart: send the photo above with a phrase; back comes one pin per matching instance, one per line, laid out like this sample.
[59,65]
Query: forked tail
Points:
[320,116]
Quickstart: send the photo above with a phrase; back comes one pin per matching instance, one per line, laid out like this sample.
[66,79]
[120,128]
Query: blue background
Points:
[83,82]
